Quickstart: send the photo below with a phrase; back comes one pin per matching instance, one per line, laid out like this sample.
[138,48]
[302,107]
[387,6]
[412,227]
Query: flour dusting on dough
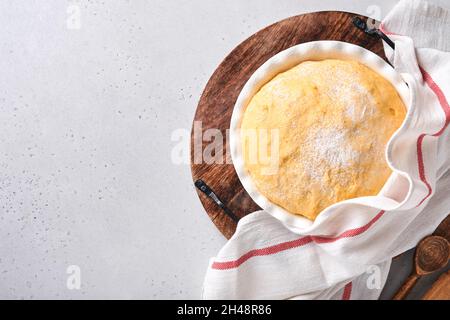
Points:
[326,148]
[358,102]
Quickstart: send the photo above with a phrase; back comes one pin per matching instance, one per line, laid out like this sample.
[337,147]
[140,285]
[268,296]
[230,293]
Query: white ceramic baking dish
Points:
[316,50]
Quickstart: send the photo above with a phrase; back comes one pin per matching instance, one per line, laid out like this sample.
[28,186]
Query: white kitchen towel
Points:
[347,252]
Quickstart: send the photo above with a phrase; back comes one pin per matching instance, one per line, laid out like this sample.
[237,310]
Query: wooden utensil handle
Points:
[440,289]
[406,287]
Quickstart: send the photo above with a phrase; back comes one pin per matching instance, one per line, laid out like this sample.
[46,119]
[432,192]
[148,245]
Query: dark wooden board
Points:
[440,289]
[219,96]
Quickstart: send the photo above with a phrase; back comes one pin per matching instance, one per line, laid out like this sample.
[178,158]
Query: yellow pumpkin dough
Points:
[326,123]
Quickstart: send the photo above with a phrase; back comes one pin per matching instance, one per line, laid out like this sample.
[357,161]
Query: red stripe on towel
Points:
[347,291]
[445,107]
[441,98]
[232,264]
[261,252]
[349,233]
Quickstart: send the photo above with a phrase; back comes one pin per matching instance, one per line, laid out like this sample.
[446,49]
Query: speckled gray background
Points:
[86,117]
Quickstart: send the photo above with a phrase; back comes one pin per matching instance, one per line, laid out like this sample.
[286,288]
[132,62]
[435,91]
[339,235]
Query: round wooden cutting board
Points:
[217,101]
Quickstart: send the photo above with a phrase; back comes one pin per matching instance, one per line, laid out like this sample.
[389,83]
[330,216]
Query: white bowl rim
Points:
[284,60]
